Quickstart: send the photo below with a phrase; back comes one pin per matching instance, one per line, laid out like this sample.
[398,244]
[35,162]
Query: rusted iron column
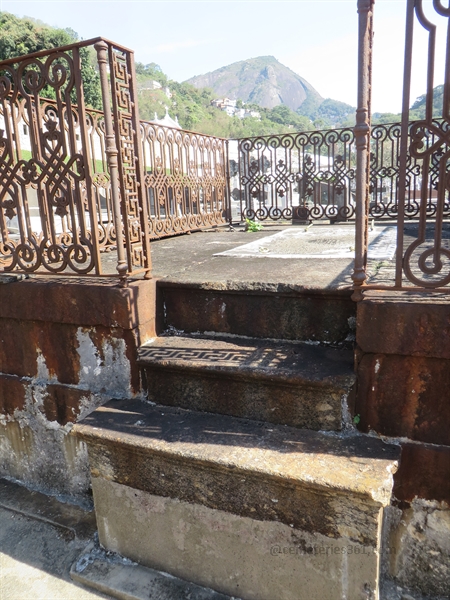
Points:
[404,139]
[226,165]
[111,156]
[362,140]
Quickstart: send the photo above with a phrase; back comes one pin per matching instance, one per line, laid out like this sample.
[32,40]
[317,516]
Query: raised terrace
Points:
[254,413]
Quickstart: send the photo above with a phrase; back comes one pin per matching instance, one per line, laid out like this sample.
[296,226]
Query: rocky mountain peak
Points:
[262,80]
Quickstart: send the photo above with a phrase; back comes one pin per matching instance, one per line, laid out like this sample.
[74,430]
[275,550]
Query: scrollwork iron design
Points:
[56,208]
[303,176]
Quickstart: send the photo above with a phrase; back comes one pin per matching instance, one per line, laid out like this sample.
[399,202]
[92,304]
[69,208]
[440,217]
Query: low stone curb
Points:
[124,579]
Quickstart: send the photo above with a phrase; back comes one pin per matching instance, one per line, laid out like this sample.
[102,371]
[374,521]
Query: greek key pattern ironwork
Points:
[261,357]
[126,126]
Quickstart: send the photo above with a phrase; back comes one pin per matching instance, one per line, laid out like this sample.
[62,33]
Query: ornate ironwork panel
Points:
[425,261]
[57,210]
[410,164]
[385,173]
[185,180]
[302,176]
[46,202]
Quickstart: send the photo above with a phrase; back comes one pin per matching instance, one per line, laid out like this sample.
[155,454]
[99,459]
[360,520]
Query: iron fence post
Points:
[111,156]
[362,133]
[228,184]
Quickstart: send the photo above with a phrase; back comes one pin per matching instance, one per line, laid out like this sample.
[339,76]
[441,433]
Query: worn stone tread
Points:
[315,482]
[248,357]
[357,464]
[295,384]
[259,310]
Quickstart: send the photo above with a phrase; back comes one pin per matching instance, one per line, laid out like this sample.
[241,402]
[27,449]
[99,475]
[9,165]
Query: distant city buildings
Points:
[230,107]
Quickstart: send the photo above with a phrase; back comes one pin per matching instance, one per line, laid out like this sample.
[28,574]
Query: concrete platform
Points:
[190,259]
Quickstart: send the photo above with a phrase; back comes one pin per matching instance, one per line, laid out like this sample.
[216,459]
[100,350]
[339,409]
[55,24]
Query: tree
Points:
[24,36]
[150,71]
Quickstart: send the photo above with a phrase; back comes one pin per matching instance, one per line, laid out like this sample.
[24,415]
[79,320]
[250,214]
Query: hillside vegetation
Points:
[192,106]
[24,36]
[417,110]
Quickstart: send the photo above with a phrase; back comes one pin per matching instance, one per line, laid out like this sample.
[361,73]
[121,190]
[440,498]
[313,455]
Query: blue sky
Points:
[315,38]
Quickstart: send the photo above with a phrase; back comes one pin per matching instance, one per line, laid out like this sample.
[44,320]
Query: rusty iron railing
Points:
[386,177]
[419,163]
[301,176]
[54,216]
[75,181]
[312,175]
[185,180]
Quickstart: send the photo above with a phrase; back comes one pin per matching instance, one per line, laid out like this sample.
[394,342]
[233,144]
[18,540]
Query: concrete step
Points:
[259,310]
[251,510]
[297,384]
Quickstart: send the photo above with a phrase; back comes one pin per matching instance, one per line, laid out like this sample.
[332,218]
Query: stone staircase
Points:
[240,470]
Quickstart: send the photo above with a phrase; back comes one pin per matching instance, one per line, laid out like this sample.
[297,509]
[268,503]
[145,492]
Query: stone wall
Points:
[403,368]
[67,345]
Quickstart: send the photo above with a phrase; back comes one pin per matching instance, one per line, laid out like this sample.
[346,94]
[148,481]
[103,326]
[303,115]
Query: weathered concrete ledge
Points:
[419,547]
[403,365]
[240,556]
[404,396]
[77,300]
[259,310]
[301,385]
[76,521]
[404,323]
[403,371]
[424,473]
[203,458]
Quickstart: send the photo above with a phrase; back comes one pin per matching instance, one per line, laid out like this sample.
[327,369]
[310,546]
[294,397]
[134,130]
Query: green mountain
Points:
[262,80]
